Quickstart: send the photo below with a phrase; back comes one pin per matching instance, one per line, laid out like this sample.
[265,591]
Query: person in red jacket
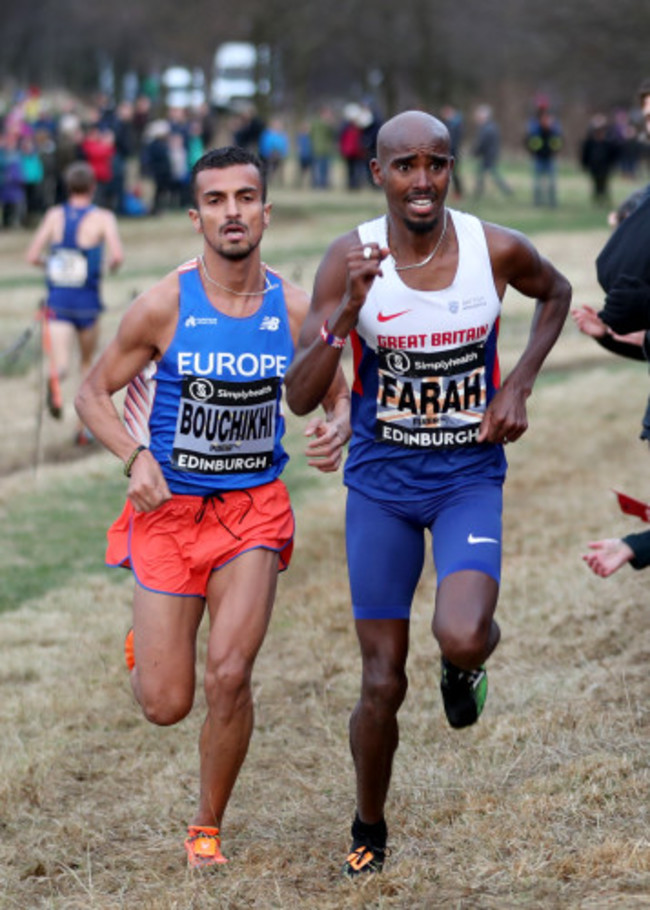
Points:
[98,148]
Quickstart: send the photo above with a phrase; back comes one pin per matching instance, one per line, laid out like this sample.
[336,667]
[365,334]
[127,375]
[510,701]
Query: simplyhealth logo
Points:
[192,321]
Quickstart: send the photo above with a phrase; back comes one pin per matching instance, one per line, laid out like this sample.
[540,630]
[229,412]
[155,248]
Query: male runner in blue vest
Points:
[419,292]
[208,522]
[69,243]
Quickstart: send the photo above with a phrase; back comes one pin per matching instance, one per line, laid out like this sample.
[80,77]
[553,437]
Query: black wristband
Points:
[128,464]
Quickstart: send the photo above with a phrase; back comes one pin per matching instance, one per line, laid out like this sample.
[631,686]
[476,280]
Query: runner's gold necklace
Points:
[426,260]
[268,285]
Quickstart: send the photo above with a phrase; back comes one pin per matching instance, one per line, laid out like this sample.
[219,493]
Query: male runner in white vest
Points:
[418,292]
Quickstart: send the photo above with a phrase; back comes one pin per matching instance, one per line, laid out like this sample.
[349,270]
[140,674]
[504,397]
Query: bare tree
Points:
[588,54]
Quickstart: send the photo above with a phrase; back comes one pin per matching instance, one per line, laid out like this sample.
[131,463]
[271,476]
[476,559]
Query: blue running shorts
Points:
[385,543]
[82,313]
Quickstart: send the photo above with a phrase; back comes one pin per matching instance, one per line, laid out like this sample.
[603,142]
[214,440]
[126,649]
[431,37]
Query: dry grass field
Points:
[543,804]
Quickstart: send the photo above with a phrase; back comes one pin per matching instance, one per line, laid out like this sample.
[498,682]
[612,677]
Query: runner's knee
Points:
[467,641]
[227,683]
[166,704]
[383,688]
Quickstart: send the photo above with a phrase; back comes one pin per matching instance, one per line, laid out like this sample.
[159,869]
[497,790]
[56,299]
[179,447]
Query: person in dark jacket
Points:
[543,143]
[157,164]
[636,345]
[125,148]
[599,156]
[623,269]
[487,150]
[623,266]
[624,274]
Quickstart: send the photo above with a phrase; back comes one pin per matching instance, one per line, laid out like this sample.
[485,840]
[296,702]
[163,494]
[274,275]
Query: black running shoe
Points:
[53,399]
[363,859]
[463,693]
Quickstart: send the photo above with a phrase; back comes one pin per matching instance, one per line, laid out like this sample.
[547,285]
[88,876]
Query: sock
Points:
[375,834]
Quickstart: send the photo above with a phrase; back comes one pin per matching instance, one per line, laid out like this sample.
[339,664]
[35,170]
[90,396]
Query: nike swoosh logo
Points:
[472,539]
[389,316]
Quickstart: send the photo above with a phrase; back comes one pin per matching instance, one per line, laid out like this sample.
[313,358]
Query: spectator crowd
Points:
[125,145]
[142,158]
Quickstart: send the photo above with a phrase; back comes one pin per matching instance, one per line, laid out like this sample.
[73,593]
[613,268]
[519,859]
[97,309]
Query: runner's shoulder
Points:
[341,245]
[508,247]
[152,316]
[296,300]
[333,263]
[159,303]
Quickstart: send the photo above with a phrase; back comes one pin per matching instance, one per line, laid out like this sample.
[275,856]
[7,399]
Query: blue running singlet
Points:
[74,274]
[211,407]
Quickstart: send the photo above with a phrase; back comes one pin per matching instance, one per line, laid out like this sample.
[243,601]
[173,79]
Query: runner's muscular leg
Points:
[88,339]
[165,629]
[374,731]
[61,337]
[240,601]
[463,621]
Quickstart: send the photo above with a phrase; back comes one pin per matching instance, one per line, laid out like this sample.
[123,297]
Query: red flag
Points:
[632,506]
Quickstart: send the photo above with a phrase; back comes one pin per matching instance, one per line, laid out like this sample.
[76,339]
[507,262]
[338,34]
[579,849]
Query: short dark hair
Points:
[227,156]
[79,177]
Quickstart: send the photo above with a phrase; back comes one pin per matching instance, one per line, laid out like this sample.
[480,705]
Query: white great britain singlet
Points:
[425,368]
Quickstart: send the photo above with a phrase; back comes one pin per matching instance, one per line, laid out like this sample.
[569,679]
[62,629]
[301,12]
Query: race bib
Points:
[225,427]
[67,268]
[430,400]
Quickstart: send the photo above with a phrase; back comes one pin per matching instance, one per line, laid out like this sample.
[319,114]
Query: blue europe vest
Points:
[216,420]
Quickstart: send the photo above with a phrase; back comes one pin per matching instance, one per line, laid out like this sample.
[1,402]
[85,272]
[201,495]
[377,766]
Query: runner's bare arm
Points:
[43,237]
[517,263]
[113,243]
[143,334]
[329,436]
[340,289]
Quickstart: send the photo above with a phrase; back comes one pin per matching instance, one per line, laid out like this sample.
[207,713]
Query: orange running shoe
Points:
[129,650]
[203,846]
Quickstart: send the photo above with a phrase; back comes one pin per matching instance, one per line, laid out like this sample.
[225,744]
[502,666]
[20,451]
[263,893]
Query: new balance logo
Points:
[270,323]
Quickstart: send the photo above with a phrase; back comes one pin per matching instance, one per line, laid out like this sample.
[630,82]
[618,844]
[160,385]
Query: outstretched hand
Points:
[607,556]
[325,449]
[588,321]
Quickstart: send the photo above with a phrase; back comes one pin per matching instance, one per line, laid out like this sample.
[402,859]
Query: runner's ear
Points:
[195,218]
[375,170]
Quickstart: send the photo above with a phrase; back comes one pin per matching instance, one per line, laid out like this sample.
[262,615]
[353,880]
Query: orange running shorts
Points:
[175,548]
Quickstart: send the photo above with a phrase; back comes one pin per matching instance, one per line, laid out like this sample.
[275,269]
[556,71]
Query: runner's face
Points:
[415,179]
[231,214]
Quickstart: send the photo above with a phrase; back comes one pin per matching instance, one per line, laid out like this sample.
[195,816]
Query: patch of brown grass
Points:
[543,804]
